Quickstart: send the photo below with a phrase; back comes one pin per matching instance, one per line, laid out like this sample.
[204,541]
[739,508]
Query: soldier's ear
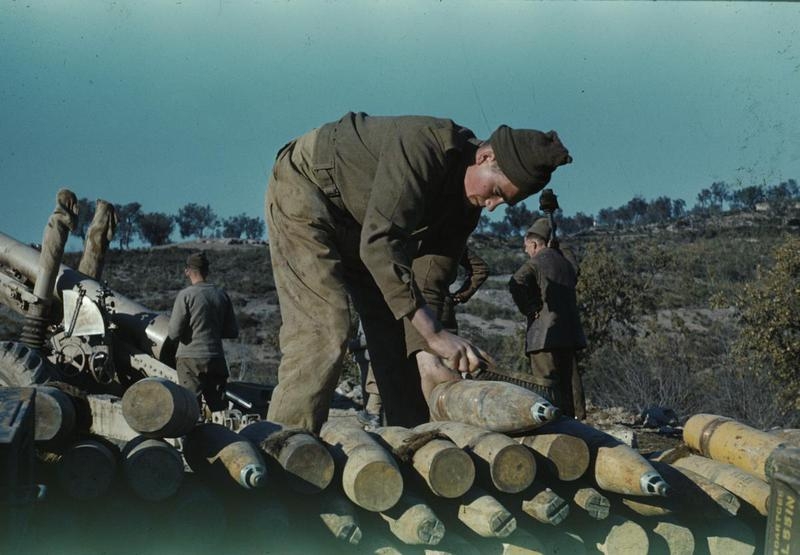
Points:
[484,153]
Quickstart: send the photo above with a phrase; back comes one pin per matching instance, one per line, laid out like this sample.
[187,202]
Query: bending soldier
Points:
[201,317]
[350,206]
[544,291]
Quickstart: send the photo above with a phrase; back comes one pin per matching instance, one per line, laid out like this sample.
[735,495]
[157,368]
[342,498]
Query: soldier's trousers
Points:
[206,377]
[556,375]
[314,245]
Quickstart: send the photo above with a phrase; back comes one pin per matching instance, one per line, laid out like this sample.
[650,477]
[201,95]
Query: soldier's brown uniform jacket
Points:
[373,206]
[544,291]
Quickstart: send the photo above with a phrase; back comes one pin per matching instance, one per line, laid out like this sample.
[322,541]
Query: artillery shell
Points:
[495,406]
[214,450]
[446,469]
[156,407]
[500,461]
[370,477]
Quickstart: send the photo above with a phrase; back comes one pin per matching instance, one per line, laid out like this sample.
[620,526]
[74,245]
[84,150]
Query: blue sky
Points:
[166,103]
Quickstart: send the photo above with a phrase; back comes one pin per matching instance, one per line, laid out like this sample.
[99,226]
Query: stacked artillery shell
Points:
[306,462]
[446,469]
[615,467]
[370,477]
[624,536]
[546,506]
[413,522]
[789,435]
[562,456]
[671,537]
[691,494]
[55,420]
[87,469]
[153,468]
[500,461]
[214,450]
[746,486]
[728,441]
[340,517]
[496,406]
[156,407]
[485,515]
[596,505]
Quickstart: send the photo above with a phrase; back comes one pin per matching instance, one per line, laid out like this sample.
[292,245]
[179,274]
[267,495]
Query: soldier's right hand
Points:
[432,372]
[459,354]
[456,352]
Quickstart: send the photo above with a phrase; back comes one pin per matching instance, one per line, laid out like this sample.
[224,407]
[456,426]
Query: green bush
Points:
[769,343]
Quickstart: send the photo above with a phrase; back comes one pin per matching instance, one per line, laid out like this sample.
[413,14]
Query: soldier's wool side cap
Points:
[527,156]
[540,228]
[198,261]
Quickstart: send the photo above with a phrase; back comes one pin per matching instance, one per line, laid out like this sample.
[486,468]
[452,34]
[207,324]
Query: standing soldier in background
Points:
[201,317]
[351,206]
[544,291]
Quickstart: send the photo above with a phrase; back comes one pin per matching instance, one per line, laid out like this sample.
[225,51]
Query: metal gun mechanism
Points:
[82,347]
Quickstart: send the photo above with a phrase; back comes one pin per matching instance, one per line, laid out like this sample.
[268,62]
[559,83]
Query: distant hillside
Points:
[676,282]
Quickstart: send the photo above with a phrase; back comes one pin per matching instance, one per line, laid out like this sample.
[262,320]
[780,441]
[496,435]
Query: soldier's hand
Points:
[459,354]
[456,352]
[432,372]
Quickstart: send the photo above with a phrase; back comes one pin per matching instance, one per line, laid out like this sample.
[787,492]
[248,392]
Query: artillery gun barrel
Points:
[147,327]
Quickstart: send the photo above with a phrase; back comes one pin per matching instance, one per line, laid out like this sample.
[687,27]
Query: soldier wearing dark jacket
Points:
[544,291]
[201,317]
[352,207]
